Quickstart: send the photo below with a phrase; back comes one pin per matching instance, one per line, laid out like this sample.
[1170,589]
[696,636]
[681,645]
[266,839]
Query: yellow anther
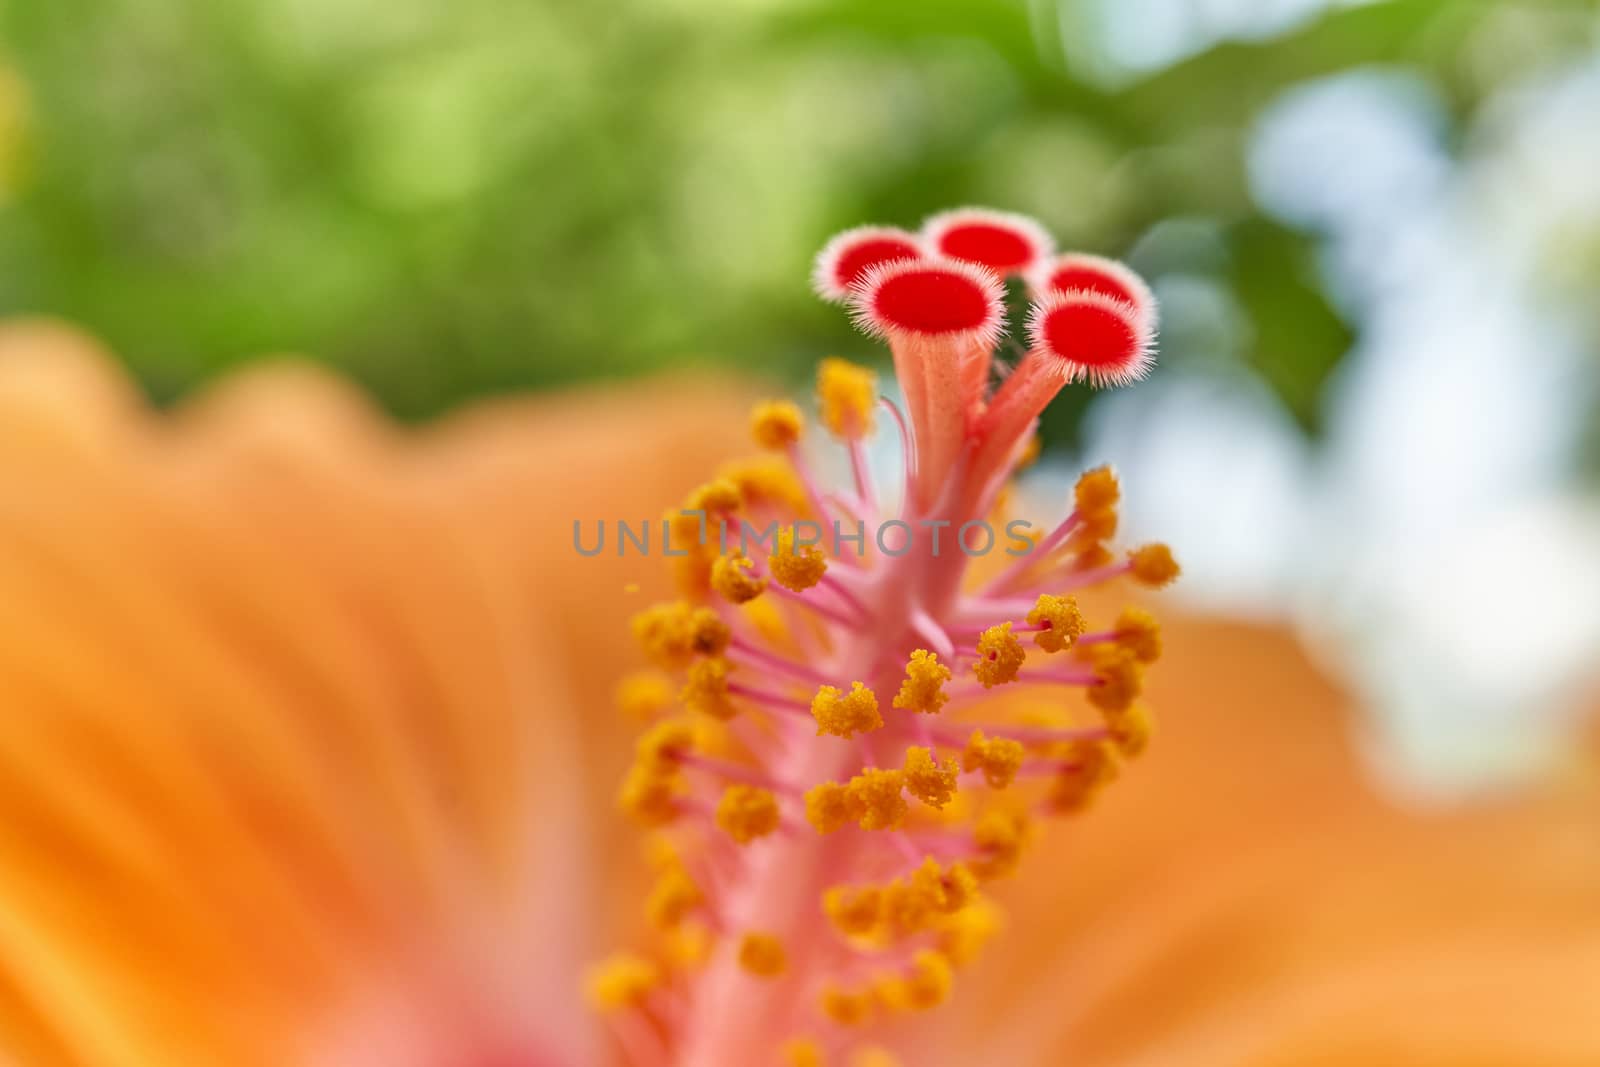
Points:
[708,634]
[747,812]
[687,945]
[1121,679]
[923,688]
[845,714]
[845,1007]
[660,854]
[767,481]
[734,578]
[659,747]
[925,985]
[846,395]
[946,889]
[1097,491]
[1093,558]
[999,758]
[831,805]
[644,695]
[854,910]
[1000,837]
[767,621]
[762,955]
[716,497]
[1000,656]
[1062,620]
[927,779]
[707,689]
[776,424]
[1131,730]
[672,898]
[802,1052]
[795,566]
[1092,765]
[1138,631]
[652,799]
[880,796]
[1093,529]
[1153,565]
[907,908]
[623,981]
[963,935]
[672,634]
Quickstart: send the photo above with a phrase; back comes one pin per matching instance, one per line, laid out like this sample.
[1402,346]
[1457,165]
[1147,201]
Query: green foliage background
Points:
[448,200]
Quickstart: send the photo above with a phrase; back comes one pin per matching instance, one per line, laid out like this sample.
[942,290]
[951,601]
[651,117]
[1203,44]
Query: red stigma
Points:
[1079,272]
[1003,242]
[933,299]
[845,261]
[855,260]
[995,247]
[1074,276]
[1092,336]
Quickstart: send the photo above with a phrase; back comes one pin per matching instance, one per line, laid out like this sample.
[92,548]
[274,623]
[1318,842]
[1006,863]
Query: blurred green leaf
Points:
[450,200]
[1296,337]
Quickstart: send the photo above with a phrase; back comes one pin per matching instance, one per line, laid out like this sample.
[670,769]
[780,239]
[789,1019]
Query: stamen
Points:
[747,812]
[927,779]
[735,580]
[776,425]
[1000,656]
[845,393]
[762,955]
[923,688]
[845,714]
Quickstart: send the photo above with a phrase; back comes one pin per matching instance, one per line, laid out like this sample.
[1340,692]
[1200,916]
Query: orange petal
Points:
[291,767]
[1244,898]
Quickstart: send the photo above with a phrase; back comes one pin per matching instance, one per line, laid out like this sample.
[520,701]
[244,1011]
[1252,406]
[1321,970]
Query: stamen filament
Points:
[840,589]
[863,475]
[770,701]
[772,661]
[1085,579]
[930,631]
[736,772]
[1023,564]
[908,444]
[832,614]
[808,483]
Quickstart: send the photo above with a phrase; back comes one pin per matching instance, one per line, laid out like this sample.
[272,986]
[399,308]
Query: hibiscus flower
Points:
[310,753]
